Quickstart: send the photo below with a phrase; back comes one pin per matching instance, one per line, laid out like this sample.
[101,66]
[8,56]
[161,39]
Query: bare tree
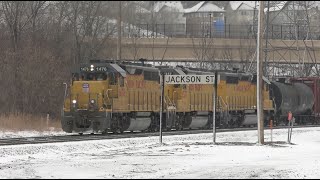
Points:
[202,50]
[88,24]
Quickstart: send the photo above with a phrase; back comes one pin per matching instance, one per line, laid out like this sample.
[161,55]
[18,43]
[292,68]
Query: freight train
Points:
[115,97]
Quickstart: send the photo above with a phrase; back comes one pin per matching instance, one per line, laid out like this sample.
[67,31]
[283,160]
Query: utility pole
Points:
[254,17]
[260,74]
[119,34]
[266,44]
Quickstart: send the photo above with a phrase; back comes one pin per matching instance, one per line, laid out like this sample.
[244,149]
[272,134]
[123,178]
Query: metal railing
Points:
[275,31]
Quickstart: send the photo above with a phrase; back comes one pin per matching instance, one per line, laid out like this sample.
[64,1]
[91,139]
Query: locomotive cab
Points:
[89,98]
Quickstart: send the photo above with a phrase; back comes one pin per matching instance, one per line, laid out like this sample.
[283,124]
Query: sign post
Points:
[161,104]
[289,124]
[292,121]
[271,125]
[214,108]
[195,79]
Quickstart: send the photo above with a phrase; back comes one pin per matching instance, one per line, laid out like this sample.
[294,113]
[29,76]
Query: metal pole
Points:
[214,107]
[271,125]
[119,34]
[259,74]
[210,24]
[292,121]
[289,132]
[161,104]
[254,17]
[266,44]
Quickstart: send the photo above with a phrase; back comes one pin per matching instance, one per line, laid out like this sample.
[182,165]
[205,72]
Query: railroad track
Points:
[89,137]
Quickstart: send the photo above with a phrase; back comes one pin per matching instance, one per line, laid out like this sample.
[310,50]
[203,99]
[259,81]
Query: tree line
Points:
[40,41]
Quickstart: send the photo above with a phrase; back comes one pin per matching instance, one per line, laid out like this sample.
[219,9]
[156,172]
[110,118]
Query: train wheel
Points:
[114,131]
[120,131]
[180,128]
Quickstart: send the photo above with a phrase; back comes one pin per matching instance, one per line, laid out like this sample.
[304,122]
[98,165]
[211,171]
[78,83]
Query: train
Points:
[104,96]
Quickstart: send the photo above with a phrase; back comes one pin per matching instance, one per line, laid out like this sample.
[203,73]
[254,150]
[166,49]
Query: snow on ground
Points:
[236,155]
[18,134]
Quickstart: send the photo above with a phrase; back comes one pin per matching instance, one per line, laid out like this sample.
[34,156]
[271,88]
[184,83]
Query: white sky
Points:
[237,155]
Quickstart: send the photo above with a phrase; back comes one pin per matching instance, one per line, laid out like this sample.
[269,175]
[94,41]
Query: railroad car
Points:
[236,99]
[117,97]
[300,95]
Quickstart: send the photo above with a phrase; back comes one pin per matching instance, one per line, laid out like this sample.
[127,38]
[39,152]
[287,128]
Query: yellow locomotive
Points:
[110,97]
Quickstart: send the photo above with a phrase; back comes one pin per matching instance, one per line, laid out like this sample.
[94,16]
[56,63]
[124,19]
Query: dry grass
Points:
[21,122]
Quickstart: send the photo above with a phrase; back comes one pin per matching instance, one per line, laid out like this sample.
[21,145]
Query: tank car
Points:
[313,113]
[293,96]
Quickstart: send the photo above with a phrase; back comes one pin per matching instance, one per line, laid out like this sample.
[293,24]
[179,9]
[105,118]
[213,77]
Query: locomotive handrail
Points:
[170,102]
[225,104]
[173,97]
[65,90]
[107,93]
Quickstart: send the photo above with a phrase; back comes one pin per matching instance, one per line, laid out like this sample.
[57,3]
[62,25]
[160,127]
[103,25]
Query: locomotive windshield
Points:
[89,77]
[93,72]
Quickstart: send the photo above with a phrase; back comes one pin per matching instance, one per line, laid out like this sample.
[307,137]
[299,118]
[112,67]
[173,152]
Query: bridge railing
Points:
[275,31]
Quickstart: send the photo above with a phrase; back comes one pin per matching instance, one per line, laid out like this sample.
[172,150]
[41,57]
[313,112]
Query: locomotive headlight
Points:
[92,67]
[92,101]
[74,103]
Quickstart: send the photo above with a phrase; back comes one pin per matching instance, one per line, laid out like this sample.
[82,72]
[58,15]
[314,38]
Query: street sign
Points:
[190,79]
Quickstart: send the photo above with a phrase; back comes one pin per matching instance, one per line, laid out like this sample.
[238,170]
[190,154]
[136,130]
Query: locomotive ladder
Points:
[170,112]
[223,113]
[109,108]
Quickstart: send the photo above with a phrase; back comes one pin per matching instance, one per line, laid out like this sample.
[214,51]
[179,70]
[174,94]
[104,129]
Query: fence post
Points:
[147,31]
[48,121]
[156,30]
[107,28]
[164,29]
[186,27]
[139,31]
[225,31]
[281,31]
[298,32]
[129,31]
